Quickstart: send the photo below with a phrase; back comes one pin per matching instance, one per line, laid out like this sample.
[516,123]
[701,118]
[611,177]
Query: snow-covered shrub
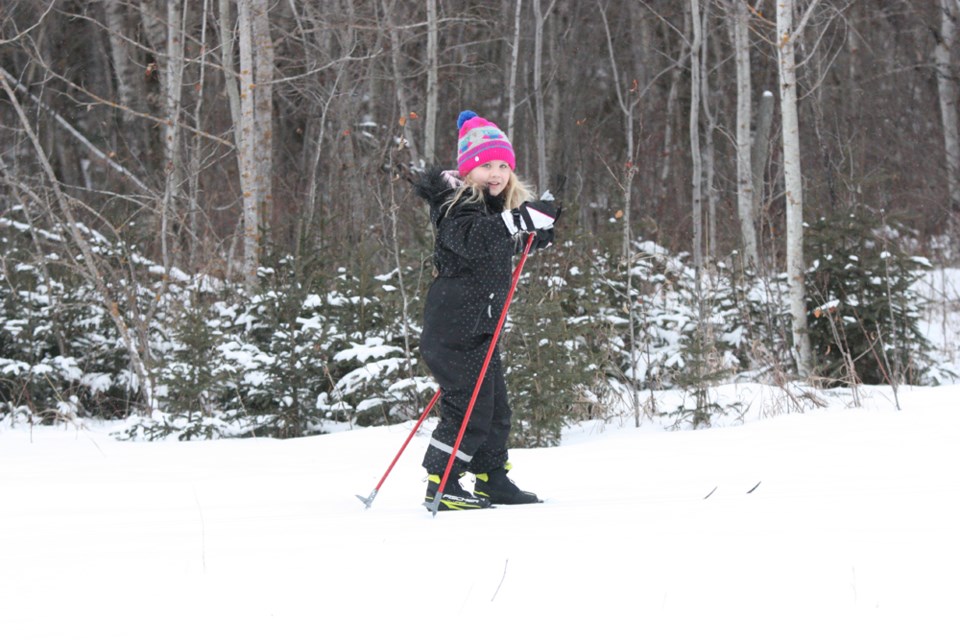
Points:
[59,350]
[864,313]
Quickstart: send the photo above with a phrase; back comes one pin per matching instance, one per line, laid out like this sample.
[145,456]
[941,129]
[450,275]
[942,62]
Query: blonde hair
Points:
[514,194]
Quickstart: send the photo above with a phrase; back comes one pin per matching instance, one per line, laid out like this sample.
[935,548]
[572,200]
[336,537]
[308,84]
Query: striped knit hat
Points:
[481,141]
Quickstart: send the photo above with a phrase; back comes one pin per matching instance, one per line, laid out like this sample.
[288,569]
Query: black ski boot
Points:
[499,489]
[454,497]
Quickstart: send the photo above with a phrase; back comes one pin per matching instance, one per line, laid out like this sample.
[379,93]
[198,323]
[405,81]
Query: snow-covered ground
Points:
[853,532]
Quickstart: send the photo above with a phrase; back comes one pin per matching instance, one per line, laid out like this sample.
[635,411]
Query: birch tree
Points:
[173,89]
[739,16]
[793,181]
[696,162]
[253,127]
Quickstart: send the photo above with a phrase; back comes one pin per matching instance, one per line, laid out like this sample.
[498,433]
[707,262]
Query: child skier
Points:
[482,217]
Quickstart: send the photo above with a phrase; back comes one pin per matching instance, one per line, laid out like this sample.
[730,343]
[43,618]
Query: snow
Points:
[852,533]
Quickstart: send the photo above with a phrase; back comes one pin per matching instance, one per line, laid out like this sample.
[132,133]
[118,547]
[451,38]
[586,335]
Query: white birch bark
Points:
[709,155]
[786,38]
[947,87]
[696,160]
[740,19]
[263,108]
[246,150]
[172,85]
[124,70]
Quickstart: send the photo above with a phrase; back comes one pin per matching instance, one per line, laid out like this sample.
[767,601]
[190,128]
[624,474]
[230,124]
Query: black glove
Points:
[542,238]
[531,216]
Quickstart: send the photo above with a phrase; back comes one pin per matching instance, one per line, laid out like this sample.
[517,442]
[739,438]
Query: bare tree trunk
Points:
[786,37]
[173,84]
[541,141]
[194,231]
[125,71]
[695,159]
[252,108]
[948,90]
[672,100]
[246,150]
[514,63]
[263,104]
[760,152]
[430,120]
[398,81]
[740,19]
[709,155]
[227,25]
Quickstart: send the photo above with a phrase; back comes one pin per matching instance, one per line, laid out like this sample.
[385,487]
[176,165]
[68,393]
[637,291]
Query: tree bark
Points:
[948,93]
[541,142]
[760,152]
[740,19]
[430,118]
[246,150]
[173,83]
[514,64]
[793,195]
[709,155]
[398,82]
[696,161]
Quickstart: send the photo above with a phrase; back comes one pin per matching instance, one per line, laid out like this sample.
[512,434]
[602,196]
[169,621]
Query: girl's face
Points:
[492,176]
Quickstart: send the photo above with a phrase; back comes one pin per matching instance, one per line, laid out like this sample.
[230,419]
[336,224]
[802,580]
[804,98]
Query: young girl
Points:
[482,217]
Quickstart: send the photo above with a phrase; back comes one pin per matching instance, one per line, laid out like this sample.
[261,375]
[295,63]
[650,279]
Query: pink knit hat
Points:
[481,141]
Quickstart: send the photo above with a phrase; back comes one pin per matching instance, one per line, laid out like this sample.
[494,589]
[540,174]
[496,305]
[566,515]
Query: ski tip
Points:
[711,493]
[753,488]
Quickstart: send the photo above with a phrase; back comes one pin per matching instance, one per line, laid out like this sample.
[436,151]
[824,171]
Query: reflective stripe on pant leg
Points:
[448,449]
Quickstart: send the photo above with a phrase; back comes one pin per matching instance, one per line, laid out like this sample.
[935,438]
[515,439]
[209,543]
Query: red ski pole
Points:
[373,494]
[435,505]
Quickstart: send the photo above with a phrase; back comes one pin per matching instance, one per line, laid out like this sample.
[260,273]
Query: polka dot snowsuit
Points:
[473,258]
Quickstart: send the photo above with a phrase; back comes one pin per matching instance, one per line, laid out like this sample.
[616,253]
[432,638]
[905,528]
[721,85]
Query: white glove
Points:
[531,216]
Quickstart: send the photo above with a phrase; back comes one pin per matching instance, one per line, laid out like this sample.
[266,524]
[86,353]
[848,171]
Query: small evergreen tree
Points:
[864,314]
[552,360]
[195,380]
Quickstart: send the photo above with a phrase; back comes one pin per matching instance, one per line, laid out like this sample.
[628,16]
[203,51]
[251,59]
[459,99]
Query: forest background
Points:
[207,223]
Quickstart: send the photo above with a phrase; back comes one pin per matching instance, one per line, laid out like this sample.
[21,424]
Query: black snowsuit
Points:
[473,259]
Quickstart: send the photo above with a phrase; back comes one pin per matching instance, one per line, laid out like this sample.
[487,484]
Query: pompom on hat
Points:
[480,142]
